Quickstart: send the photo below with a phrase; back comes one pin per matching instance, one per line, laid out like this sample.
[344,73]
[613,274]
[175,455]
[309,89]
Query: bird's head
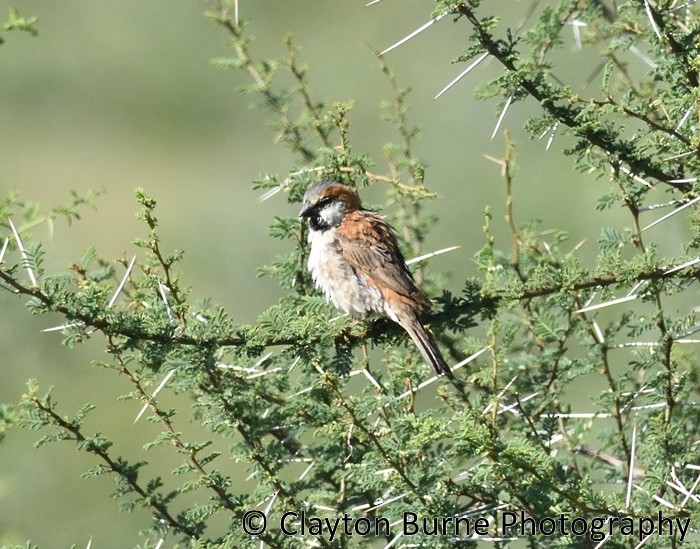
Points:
[326,203]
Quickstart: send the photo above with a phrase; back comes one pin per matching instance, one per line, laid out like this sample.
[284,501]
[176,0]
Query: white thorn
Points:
[643,541]
[648,60]
[575,27]
[290,397]
[272,501]
[23,252]
[590,299]
[383,502]
[628,497]
[262,359]
[636,287]
[663,502]
[414,33]
[122,283]
[690,493]
[4,248]
[463,73]
[499,395]
[266,372]
[657,206]
[371,379]
[502,115]
[636,177]
[674,212]
[598,333]
[434,378]
[682,6]
[153,395]
[62,327]
[683,266]
[604,541]
[681,155]
[551,135]
[270,193]
[306,471]
[431,254]
[607,303]
[49,222]
[513,406]
[684,118]
[647,7]
[162,288]
[579,415]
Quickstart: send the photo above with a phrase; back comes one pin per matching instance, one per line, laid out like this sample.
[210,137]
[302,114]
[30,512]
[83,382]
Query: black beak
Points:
[304,210]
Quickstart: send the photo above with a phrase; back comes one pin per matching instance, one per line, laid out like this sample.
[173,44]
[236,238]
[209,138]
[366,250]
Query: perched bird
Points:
[355,260]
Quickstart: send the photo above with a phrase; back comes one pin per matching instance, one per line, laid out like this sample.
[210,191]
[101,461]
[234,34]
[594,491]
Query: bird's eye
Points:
[324,202]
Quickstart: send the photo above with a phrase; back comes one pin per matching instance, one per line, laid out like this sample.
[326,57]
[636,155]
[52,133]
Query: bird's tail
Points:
[426,345]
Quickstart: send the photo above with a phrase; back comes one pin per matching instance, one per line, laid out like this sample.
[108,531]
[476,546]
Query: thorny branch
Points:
[567,114]
[110,327]
[118,467]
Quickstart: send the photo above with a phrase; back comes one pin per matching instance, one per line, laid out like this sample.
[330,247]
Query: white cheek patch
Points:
[332,214]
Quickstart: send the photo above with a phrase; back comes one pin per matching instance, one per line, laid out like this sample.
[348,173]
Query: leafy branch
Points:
[561,105]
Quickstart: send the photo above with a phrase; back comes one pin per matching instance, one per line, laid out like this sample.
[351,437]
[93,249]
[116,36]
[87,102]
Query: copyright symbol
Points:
[254,522]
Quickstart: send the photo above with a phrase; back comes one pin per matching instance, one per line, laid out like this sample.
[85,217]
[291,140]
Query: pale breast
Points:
[336,278]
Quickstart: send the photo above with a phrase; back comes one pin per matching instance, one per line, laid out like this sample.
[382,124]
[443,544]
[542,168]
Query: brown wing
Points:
[368,243]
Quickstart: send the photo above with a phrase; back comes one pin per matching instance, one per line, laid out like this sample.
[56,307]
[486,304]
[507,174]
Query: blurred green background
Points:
[121,94]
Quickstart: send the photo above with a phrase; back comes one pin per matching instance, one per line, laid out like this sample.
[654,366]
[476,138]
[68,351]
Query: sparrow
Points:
[356,262]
